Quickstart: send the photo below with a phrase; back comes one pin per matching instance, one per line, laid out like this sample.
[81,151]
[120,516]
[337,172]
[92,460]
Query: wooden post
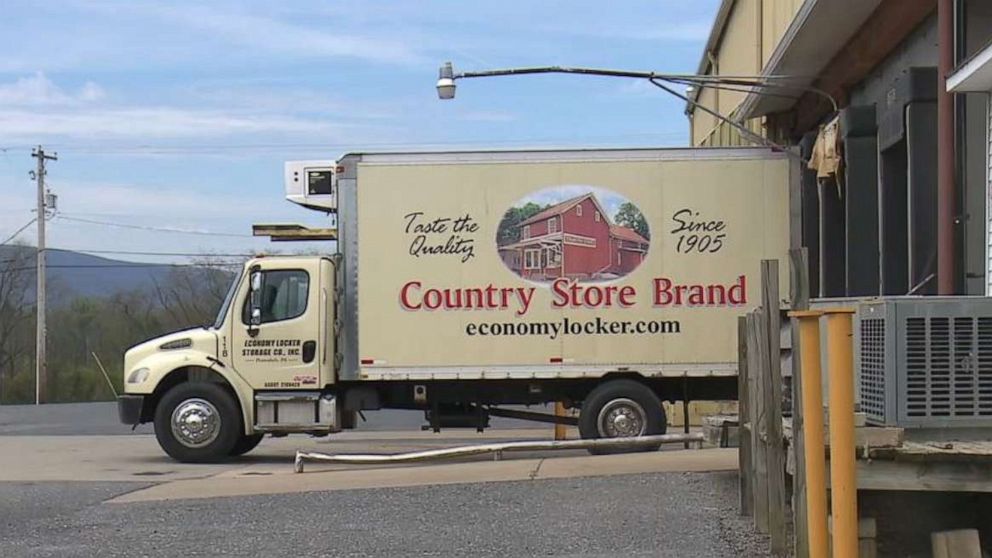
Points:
[559,428]
[772,388]
[756,412]
[799,287]
[744,422]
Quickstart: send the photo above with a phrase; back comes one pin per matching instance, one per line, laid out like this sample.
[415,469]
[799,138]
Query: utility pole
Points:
[41,364]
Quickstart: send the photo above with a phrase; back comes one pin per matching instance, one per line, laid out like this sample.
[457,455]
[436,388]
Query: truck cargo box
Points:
[548,264]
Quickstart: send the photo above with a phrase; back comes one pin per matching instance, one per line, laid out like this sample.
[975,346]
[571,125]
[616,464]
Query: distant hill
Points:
[78,274]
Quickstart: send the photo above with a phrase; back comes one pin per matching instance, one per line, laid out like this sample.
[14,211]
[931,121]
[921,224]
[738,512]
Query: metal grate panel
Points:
[919,362]
[983,367]
[872,385]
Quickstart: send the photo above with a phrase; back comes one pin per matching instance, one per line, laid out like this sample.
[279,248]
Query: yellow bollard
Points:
[559,428]
[843,469]
[814,455]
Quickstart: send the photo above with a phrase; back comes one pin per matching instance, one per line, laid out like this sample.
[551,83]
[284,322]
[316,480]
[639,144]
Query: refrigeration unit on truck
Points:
[461,283]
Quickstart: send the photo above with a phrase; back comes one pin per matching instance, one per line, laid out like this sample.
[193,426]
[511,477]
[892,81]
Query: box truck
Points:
[462,283]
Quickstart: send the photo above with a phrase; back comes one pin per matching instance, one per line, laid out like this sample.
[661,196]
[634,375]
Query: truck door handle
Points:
[309,351]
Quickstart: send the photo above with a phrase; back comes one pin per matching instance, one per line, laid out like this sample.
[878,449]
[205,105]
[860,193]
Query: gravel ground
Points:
[674,514]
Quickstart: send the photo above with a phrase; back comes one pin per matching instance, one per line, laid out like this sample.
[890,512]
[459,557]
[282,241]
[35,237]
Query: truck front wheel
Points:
[621,409]
[198,422]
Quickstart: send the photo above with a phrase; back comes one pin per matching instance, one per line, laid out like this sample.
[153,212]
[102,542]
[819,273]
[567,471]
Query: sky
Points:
[179,115]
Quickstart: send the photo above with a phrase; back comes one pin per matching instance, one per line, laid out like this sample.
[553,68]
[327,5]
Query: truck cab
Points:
[263,366]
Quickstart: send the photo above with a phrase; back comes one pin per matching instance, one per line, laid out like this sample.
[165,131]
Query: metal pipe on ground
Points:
[495,448]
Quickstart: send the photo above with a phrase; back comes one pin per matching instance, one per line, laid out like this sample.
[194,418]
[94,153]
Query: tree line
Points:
[81,326]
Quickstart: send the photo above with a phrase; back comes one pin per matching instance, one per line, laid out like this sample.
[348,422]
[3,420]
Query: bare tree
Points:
[192,294]
[16,321]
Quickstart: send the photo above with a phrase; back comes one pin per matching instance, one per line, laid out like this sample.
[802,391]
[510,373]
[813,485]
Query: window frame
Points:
[578,210]
[246,320]
[552,225]
[532,258]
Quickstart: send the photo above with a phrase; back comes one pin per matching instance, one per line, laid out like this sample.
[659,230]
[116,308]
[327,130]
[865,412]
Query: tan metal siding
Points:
[738,54]
[777,15]
[704,123]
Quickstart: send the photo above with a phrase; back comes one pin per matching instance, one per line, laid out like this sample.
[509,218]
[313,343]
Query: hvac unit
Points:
[925,362]
[312,184]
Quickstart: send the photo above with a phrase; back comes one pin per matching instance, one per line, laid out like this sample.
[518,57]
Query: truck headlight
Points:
[137,376]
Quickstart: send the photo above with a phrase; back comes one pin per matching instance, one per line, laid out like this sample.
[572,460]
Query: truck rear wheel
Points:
[198,422]
[246,443]
[620,409]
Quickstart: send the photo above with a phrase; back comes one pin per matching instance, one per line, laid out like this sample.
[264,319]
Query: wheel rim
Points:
[195,423]
[621,418]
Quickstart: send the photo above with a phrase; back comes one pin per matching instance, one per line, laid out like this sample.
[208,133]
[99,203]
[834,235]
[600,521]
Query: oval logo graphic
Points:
[580,232]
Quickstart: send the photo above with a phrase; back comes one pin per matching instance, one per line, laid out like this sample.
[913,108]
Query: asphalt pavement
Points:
[101,419]
[675,514]
[73,483]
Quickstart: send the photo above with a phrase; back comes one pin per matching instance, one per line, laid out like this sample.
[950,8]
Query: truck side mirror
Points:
[254,303]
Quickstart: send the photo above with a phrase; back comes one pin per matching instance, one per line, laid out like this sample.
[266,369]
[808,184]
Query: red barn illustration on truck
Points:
[575,238]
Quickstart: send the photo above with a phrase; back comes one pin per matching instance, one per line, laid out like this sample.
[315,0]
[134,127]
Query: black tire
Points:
[246,443]
[199,399]
[621,393]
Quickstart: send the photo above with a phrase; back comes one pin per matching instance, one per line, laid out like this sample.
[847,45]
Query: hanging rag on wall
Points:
[827,157]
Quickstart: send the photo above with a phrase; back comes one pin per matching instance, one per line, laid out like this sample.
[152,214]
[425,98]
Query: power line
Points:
[149,253]
[131,265]
[19,231]
[140,253]
[185,149]
[149,228]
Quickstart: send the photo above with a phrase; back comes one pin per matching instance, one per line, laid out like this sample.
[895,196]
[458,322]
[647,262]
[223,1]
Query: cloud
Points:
[289,100]
[141,199]
[149,123]
[265,33]
[691,31]
[38,90]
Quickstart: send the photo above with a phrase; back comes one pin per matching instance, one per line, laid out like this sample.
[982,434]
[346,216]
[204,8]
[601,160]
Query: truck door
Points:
[285,349]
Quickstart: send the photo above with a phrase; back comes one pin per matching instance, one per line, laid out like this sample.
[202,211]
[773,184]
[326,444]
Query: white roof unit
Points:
[312,184]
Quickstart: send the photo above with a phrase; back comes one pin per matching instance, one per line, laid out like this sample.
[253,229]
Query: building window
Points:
[532,259]
[526,232]
[597,217]
[578,210]
[552,225]
[554,257]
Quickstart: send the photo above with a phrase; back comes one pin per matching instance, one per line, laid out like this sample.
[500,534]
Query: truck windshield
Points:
[219,320]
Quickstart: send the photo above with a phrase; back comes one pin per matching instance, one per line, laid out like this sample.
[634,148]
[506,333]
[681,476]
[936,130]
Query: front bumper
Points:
[129,408]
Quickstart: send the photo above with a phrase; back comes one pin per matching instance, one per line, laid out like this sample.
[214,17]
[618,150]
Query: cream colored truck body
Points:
[449,278]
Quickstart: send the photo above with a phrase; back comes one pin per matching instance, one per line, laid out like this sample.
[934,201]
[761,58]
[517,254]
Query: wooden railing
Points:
[762,455]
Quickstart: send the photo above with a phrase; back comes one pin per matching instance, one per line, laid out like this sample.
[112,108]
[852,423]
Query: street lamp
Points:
[446,82]
[770,85]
